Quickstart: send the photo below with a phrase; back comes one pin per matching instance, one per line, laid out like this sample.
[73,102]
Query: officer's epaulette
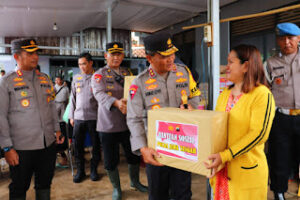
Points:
[143,73]
[9,74]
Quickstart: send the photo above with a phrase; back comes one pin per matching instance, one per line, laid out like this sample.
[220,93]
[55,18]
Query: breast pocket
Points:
[24,99]
[279,76]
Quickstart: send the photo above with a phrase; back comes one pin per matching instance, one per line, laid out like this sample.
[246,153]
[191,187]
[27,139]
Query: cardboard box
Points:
[185,139]
[127,82]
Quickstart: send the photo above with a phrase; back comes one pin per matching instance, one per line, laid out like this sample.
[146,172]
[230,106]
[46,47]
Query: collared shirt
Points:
[285,80]
[151,91]
[62,93]
[83,103]
[27,111]
[107,88]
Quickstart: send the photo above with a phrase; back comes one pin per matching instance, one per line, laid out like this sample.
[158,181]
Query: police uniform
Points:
[107,87]
[152,91]
[83,109]
[61,99]
[28,123]
[284,139]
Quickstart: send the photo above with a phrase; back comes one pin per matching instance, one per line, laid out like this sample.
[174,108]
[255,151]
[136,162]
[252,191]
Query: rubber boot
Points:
[94,174]
[42,194]
[279,196]
[134,174]
[115,181]
[18,198]
[80,174]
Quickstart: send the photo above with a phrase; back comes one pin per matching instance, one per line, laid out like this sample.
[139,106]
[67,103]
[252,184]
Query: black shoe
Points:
[94,175]
[279,196]
[80,175]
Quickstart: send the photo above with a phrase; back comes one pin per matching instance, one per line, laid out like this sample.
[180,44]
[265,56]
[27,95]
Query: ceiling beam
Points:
[162,4]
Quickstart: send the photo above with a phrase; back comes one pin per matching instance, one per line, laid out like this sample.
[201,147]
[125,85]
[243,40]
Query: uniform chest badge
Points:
[110,87]
[108,76]
[156,106]
[179,74]
[48,91]
[24,93]
[79,78]
[124,73]
[20,84]
[150,81]
[278,81]
[98,77]
[78,84]
[18,79]
[181,80]
[132,90]
[109,93]
[25,103]
[44,82]
[78,90]
[151,72]
[152,87]
[155,100]
[42,78]
[48,99]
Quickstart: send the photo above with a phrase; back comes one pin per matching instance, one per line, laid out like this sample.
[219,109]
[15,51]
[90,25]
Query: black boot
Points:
[134,173]
[17,198]
[80,175]
[279,196]
[94,174]
[115,181]
[42,194]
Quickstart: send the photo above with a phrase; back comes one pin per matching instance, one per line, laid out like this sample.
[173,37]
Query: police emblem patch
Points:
[98,77]
[132,90]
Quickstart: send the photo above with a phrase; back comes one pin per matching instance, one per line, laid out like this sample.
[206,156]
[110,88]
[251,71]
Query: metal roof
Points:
[36,17]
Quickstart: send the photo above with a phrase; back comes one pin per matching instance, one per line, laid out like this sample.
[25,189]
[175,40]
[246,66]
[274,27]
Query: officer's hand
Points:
[216,162]
[121,105]
[59,137]
[149,155]
[12,157]
[189,107]
[72,122]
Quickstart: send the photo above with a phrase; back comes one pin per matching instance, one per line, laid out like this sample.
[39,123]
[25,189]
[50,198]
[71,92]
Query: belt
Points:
[289,111]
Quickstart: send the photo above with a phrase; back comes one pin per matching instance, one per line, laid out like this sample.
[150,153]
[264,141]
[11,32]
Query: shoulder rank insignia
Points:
[132,90]
[37,72]
[150,81]
[19,73]
[151,72]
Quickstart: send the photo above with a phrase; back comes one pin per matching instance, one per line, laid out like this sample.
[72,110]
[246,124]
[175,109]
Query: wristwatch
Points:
[7,149]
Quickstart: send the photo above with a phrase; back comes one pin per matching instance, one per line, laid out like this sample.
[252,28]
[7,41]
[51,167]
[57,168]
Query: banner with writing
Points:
[177,140]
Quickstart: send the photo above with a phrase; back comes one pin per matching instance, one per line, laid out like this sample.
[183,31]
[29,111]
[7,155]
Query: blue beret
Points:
[287,29]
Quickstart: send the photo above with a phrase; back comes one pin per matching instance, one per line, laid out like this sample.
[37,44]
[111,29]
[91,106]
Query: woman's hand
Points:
[216,162]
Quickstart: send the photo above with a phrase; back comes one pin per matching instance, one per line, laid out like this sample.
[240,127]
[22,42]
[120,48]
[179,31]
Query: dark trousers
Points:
[284,150]
[81,127]
[110,146]
[165,182]
[41,163]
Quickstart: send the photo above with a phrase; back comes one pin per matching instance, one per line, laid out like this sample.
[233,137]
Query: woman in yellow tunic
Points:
[251,110]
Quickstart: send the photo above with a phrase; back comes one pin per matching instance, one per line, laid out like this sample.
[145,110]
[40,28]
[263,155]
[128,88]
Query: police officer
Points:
[29,123]
[83,117]
[61,96]
[284,140]
[163,84]
[108,83]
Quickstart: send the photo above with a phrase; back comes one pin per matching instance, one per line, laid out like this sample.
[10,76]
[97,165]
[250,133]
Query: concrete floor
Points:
[63,187]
